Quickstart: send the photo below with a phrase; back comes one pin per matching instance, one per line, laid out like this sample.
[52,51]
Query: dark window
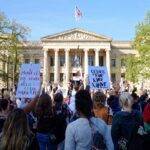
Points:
[113,62]
[27,61]
[122,62]
[101,61]
[81,60]
[91,60]
[61,77]
[122,75]
[37,61]
[52,77]
[51,61]
[62,60]
[72,61]
[113,77]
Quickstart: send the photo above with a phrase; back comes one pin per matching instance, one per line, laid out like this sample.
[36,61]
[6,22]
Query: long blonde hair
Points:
[15,133]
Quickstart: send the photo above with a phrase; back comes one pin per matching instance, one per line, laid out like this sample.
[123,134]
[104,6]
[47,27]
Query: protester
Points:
[69,90]
[62,116]
[113,103]
[143,100]
[87,88]
[16,134]
[4,111]
[72,99]
[79,134]
[125,123]
[100,110]
[146,118]
[45,123]
[81,87]
[136,105]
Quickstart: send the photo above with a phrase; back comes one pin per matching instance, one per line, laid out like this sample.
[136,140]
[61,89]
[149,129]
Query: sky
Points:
[113,18]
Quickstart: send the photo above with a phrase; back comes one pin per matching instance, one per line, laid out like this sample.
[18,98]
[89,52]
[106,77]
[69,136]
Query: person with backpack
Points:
[141,139]
[100,110]
[87,132]
[146,118]
[16,134]
[62,115]
[125,123]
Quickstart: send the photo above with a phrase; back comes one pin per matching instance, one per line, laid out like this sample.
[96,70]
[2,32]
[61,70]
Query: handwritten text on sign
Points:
[98,77]
[29,81]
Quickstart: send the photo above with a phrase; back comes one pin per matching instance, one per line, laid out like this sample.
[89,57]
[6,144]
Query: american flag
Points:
[78,14]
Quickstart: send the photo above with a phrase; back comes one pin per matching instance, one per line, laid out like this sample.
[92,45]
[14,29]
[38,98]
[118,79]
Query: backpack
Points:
[61,116]
[63,112]
[98,142]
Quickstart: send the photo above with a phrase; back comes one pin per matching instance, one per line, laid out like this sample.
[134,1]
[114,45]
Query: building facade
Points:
[68,54]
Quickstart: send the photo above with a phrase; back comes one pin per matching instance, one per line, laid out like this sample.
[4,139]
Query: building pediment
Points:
[76,35]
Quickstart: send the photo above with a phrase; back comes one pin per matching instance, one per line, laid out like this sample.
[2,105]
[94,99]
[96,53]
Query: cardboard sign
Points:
[98,78]
[29,81]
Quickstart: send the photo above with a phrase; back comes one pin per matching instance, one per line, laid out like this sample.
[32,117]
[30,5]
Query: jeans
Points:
[44,142]
[61,146]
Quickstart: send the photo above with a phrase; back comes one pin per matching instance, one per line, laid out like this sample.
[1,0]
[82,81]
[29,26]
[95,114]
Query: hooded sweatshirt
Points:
[124,124]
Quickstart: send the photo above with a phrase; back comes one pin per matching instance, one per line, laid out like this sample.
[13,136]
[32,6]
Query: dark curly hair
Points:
[83,103]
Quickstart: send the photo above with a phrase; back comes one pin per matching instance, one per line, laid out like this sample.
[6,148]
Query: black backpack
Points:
[61,117]
[98,142]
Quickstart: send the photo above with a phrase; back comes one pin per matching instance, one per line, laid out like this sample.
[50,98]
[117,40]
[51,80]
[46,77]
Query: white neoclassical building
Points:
[67,55]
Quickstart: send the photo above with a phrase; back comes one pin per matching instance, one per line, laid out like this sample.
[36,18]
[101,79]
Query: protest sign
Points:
[29,81]
[98,78]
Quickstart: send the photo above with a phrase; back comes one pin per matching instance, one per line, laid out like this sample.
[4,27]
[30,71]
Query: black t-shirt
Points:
[45,124]
[2,121]
[61,115]
[34,145]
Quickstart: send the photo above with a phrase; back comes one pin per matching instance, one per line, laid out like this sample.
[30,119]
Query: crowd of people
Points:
[82,120]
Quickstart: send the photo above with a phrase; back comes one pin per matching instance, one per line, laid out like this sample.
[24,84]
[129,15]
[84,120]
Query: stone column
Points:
[67,67]
[46,68]
[22,60]
[108,61]
[56,67]
[96,57]
[85,67]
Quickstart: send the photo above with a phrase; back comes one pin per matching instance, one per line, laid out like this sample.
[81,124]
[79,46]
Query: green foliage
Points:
[141,64]
[12,35]
[132,68]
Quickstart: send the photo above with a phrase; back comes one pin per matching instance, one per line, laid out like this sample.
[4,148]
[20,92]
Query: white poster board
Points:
[98,78]
[29,81]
